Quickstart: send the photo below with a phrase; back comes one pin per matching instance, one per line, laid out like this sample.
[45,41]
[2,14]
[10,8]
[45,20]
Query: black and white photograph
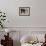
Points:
[24,11]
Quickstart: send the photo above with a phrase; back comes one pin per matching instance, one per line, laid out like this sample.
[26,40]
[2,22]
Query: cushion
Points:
[26,39]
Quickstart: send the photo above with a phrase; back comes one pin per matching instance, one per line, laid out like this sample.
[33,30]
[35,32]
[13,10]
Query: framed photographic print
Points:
[24,11]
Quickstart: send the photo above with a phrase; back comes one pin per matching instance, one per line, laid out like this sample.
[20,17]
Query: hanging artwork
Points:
[24,11]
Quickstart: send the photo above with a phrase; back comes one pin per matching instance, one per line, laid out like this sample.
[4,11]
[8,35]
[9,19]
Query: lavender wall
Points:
[37,16]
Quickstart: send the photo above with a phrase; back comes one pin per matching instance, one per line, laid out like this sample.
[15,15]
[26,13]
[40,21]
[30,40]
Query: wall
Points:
[37,16]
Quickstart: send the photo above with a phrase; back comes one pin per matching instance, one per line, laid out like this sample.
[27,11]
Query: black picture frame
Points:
[24,11]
